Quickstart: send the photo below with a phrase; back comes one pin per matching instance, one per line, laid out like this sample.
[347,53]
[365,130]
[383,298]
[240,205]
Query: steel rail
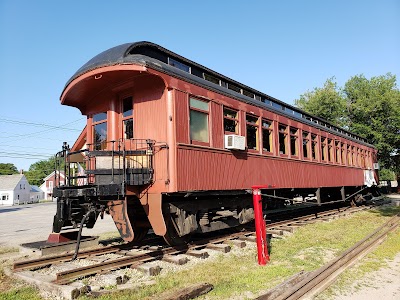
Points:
[70,275]
[48,260]
[321,277]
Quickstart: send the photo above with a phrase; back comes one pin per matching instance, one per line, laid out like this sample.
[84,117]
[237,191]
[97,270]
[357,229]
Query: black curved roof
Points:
[152,55]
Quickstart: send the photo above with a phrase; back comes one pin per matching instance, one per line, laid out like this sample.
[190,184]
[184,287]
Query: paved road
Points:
[33,222]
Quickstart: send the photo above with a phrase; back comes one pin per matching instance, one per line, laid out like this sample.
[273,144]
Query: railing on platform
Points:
[124,162]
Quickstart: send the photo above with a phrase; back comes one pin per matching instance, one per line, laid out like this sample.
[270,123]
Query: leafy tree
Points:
[367,107]
[39,170]
[385,174]
[8,169]
[327,102]
[374,112]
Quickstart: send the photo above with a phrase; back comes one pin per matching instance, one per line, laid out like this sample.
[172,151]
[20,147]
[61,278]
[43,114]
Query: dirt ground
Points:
[383,284]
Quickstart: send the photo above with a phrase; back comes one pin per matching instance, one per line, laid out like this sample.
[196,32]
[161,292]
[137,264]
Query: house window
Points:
[127,118]
[294,148]
[252,132]
[267,134]
[231,121]
[323,148]
[314,146]
[100,131]
[199,120]
[306,142]
[282,139]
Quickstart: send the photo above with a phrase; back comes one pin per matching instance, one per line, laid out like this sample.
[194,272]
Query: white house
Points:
[14,189]
[36,194]
[50,182]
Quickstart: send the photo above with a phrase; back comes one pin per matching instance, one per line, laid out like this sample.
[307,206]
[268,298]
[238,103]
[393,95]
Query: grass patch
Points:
[26,292]
[5,250]
[238,273]
[109,235]
[10,288]
[308,249]
[374,261]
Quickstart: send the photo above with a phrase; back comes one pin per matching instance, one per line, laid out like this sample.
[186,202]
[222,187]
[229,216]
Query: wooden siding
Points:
[150,110]
[182,117]
[201,169]
[217,125]
[150,122]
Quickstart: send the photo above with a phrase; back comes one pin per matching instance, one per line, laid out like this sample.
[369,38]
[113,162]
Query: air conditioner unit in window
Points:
[376,166]
[233,141]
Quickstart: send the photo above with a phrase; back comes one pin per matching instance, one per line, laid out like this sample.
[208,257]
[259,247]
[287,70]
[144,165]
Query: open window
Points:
[231,121]
[127,118]
[330,150]
[267,135]
[323,148]
[314,146]
[306,144]
[252,132]
[349,157]
[283,139]
[338,152]
[344,159]
[294,144]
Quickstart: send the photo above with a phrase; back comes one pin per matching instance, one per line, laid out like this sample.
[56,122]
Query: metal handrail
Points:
[139,152]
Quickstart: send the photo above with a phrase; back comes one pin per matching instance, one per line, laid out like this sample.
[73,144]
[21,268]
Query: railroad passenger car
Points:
[174,146]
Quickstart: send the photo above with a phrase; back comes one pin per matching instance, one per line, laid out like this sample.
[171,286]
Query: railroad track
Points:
[306,285]
[141,255]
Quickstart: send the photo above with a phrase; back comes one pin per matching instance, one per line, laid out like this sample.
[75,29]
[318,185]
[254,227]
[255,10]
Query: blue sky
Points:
[282,48]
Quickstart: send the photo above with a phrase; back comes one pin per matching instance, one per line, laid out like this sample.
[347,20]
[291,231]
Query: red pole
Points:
[261,232]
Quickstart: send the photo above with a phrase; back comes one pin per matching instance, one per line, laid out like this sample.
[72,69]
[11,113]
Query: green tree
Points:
[374,113]
[8,169]
[385,174]
[327,102]
[39,170]
[367,107]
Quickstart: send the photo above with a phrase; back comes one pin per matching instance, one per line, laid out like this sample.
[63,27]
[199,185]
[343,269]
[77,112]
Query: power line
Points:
[9,121]
[24,157]
[40,132]
[39,137]
[22,147]
[27,153]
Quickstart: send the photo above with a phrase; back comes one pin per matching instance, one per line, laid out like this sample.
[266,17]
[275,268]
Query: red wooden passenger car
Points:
[174,146]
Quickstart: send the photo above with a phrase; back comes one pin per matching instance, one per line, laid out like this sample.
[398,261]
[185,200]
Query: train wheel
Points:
[139,234]
[172,237]
[359,200]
